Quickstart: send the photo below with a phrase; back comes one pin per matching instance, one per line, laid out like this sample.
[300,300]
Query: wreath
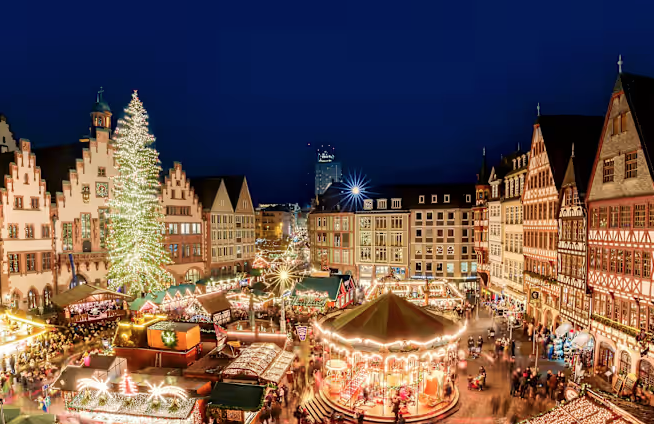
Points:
[169,339]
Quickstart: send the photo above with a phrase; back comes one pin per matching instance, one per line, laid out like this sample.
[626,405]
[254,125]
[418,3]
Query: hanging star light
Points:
[355,191]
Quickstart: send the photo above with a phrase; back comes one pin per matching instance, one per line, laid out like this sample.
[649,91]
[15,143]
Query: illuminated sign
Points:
[302,332]
[325,157]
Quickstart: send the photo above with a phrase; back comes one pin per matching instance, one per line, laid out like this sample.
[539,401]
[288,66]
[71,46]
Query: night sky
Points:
[406,91]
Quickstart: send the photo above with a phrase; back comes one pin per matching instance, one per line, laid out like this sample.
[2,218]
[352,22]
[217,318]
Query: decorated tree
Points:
[127,385]
[136,253]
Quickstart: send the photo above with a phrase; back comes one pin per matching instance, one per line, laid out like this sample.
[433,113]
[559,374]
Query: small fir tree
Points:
[137,256]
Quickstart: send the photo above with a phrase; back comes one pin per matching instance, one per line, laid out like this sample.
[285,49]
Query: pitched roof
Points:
[483,175]
[322,284]
[5,159]
[387,319]
[84,291]
[246,397]
[207,187]
[55,172]
[639,91]
[214,302]
[561,131]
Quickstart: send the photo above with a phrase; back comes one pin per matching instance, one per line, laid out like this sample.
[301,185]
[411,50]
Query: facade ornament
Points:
[86,193]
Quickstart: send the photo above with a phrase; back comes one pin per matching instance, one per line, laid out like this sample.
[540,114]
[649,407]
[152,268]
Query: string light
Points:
[102,387]
[159,391]
[137,256]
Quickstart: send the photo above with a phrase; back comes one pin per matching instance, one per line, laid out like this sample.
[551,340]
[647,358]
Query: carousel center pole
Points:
[282,319]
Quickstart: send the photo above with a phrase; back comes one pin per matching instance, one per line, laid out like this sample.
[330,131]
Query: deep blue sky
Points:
[407,91]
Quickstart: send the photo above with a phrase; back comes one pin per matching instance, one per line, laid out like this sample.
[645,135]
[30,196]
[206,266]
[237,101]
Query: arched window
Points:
[15,300]
[47,296]
[646,373]
[606,355]
[625,362]
[192,276]
[32,299]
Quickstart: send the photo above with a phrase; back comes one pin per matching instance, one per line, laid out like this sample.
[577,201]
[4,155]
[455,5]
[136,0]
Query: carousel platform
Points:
[322,402]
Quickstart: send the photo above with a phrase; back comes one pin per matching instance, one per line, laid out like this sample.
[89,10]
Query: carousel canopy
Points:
[387,319]
[87,293]
[214,302]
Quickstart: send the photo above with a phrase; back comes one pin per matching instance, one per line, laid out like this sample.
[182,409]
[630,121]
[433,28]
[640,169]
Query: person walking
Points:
[495,404]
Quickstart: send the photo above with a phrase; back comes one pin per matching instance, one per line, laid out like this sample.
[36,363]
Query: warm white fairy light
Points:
[135,239]
[102,387]
[159,391]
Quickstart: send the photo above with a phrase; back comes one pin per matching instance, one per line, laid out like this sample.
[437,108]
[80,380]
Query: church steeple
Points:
[100,116]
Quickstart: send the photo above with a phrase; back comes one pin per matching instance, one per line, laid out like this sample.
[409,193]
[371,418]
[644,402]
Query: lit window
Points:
[631,165]
[367,204]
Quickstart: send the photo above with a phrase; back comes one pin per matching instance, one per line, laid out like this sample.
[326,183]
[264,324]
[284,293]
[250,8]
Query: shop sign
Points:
[302,331]
[534,297]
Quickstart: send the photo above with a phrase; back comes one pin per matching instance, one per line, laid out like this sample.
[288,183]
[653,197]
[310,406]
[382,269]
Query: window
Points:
[85,223]
[418,232]
[102,171]
[14,263]
[45,231]
[468,200]
[67,235]
[197,249]
[367,204]
[186,251]
[625,216]
[46,261]
[620,124]
[615,215]
[13,231]
[34,202]
[32,299]
[646,372]
[647,263]
[421,199]
[18,202]
[30,262]
[639,216]
[396,203]
[446,198]
[173,250]
[418,216]
[29,231]
[185,228]
[173,228]
[434,198]
[608,170]
[381,204]
[625,362]
[418,267]
[450,250]
[102,214]
[631,165]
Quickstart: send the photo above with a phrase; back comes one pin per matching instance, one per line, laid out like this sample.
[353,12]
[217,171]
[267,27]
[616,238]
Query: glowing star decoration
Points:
[355,192]
[102,387]
[127,385]
[137,256]
[282,281]
[159,391]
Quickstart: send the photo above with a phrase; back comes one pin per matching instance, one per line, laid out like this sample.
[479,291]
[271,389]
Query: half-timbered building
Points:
[572,272]
[551,145]
[480,219]
[621,230]
[184,226]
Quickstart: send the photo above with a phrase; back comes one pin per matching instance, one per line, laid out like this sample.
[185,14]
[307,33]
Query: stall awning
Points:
[87,293]
[246,397]
[214,302]
[514,294]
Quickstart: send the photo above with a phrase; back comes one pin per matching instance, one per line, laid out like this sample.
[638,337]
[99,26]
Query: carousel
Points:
[389,352]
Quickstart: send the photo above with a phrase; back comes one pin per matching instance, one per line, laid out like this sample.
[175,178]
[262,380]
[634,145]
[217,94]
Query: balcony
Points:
[631,331]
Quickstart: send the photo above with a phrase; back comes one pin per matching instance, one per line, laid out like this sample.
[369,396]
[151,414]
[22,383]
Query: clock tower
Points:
[100,118]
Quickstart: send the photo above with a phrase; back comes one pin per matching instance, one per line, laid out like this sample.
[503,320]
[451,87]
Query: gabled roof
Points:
[387,319]
[578,172]
[561,131]
[330,285]
[56,171]
[214,302]
[84,291]
[206,188]
[639,92]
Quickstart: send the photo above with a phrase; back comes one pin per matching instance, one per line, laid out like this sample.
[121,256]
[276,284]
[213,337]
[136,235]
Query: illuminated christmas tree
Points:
[136,253]
[127,385]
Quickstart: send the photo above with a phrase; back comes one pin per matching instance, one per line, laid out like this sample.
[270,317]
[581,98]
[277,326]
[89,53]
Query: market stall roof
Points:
[86,293]
[214,302]
[387,319]
[588,408]
[246,397]
[254,360]
[330,285]
[67,380]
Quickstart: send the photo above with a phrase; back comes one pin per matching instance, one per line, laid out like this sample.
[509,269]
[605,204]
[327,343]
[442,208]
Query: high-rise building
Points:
[327,171]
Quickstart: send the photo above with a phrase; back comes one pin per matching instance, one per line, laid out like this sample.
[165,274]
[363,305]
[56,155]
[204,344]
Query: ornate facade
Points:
[7,140]
[184,226]
[621,228]
[480,215]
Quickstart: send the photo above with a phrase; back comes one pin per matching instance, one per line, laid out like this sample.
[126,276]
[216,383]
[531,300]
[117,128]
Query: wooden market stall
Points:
[315,294]
[233,403]
[214,306]
[86,302]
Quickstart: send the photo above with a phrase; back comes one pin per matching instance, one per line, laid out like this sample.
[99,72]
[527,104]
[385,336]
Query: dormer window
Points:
[468,198]
[381,204]
[434,198]
[396,203]
[446,198]
[421,199]
[367,204]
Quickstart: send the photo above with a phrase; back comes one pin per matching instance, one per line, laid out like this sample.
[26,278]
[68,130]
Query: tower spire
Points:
[538,109]
[573,150]
[98,98]
[484,151]
[620,63]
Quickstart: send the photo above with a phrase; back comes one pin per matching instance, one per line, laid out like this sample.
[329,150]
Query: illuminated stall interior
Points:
[85,303]
[440,293]
[211,307]
[17,333]
[391,347]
